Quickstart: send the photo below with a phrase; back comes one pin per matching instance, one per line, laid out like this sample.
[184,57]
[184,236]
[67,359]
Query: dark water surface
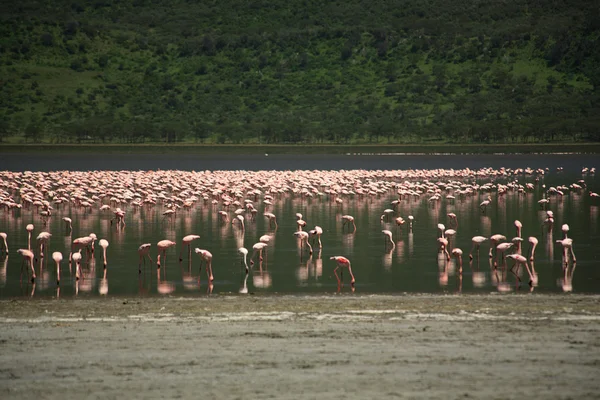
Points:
[414,265]
[188,162]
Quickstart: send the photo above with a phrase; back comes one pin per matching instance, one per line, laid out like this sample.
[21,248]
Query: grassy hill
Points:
[414,71]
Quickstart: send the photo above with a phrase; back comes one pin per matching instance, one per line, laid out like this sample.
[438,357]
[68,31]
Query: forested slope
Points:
[300,71]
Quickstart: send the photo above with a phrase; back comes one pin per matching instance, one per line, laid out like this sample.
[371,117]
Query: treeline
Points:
[275,71]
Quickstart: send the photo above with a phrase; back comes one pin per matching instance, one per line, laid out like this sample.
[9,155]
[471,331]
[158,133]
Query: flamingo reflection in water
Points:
[263,278]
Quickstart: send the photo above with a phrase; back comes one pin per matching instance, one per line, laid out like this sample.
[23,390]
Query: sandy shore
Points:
[291,347]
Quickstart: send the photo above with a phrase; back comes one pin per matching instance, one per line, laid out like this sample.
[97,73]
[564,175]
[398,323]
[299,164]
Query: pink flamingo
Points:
[240,220]
[567,244]
[443,242]
[303,236]
[27,257]
[456,252]
[68,224]
[388,236]
[57,257]
[477,240]
[163,245]
[519,259]
[494,240]
[519,227]
[347,220]
[244,252]
[342,262]
[104,244]
[81,243]
[399,222]
[533,242]
[4,236]
[205,256]
[454,219]
[318,231]
[258,248]
[187,240]
[77,258]
[29,229]
[143,252]
[272,219]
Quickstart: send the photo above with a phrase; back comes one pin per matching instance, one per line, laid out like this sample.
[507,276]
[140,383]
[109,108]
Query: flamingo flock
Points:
[236,197]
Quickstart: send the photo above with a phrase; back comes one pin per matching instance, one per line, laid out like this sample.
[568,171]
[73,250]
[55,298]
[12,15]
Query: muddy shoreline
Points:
[290,347]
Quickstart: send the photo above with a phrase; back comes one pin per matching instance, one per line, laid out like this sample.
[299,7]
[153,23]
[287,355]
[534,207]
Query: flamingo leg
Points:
[572,254]
[210,274]
[336,275]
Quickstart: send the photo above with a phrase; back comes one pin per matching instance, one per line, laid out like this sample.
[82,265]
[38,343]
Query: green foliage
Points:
[307,71]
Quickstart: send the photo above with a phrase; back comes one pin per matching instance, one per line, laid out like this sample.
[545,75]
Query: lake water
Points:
[414,265]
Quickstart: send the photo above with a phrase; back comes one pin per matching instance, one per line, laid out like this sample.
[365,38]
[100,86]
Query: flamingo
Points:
[57,257]
[519,259]
[342,262]
[519,227]
[27,257]
[224,216]
[104,244]
[300,223]
[187,240]
[388,236]
[240,221]
[318,231]
[163,245]
[484,204]
[443,242]
[411,219]
[205,256]
[501,250]
[532,244]
[77,258]
[257,248]
[42,242]
[244,252]
[80,243]
[477,240]
[347,220]
[29,229]
[68,224]
[456,252]
[272,219]
[567,244]
[494,240]
[565,230]
[454,219]
[143,252]
[303,236]
[399,222]
[5,244]
[442,229]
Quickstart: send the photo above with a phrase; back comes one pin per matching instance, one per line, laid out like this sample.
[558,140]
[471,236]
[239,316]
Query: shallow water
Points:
[413,266]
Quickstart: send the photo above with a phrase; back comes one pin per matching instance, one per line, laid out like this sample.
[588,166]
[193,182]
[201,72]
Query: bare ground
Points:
[292,347]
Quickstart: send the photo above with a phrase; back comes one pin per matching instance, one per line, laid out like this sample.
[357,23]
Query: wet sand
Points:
[291,347]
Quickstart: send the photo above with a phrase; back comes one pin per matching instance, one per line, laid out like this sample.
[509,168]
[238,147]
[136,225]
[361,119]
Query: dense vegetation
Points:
[353,71]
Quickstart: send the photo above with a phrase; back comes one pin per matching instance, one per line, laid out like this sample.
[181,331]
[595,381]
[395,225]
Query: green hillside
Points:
[411,71]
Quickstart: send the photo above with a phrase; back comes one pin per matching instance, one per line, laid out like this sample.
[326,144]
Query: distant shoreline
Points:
[391,149]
